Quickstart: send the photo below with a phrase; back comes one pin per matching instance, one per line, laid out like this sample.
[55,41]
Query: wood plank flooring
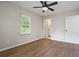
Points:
[43,48]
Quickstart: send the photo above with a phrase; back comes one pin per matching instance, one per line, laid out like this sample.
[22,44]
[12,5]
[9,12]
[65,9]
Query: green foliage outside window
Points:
[25,24]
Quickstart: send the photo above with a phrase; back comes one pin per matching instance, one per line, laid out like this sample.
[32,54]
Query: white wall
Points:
[10,26]
[58,24]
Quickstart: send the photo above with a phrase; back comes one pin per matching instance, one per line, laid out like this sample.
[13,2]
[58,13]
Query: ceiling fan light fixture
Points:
[45,8]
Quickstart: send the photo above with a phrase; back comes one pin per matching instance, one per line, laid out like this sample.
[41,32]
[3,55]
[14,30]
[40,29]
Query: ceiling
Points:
[62,6]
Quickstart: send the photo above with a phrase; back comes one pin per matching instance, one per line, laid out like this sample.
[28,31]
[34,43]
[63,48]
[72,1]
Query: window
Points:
[25,24]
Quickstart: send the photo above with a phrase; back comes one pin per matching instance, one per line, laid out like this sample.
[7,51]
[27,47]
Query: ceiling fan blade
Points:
[51,9]
[42,3]
[45,3]
[53,4]
[38,7]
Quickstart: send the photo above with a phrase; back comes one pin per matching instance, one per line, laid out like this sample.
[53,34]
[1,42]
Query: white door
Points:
[72,29]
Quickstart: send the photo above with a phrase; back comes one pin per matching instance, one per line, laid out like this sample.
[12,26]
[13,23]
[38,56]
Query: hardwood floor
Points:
[43,48]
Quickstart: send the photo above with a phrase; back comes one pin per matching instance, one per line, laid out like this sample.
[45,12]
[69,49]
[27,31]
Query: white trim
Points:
[65,41]
[17,45]
[29,42]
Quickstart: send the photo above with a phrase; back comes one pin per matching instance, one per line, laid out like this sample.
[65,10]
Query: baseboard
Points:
[65,41]
[18,45]
[29,42]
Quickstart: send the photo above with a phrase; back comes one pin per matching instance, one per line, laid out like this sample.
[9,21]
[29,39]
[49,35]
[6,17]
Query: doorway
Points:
[72,29]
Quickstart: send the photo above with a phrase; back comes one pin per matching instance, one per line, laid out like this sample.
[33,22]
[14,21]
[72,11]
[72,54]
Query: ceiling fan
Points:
[46,6]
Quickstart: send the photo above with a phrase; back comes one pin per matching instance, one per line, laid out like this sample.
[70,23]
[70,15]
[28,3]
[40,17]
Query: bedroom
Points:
[48,31]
